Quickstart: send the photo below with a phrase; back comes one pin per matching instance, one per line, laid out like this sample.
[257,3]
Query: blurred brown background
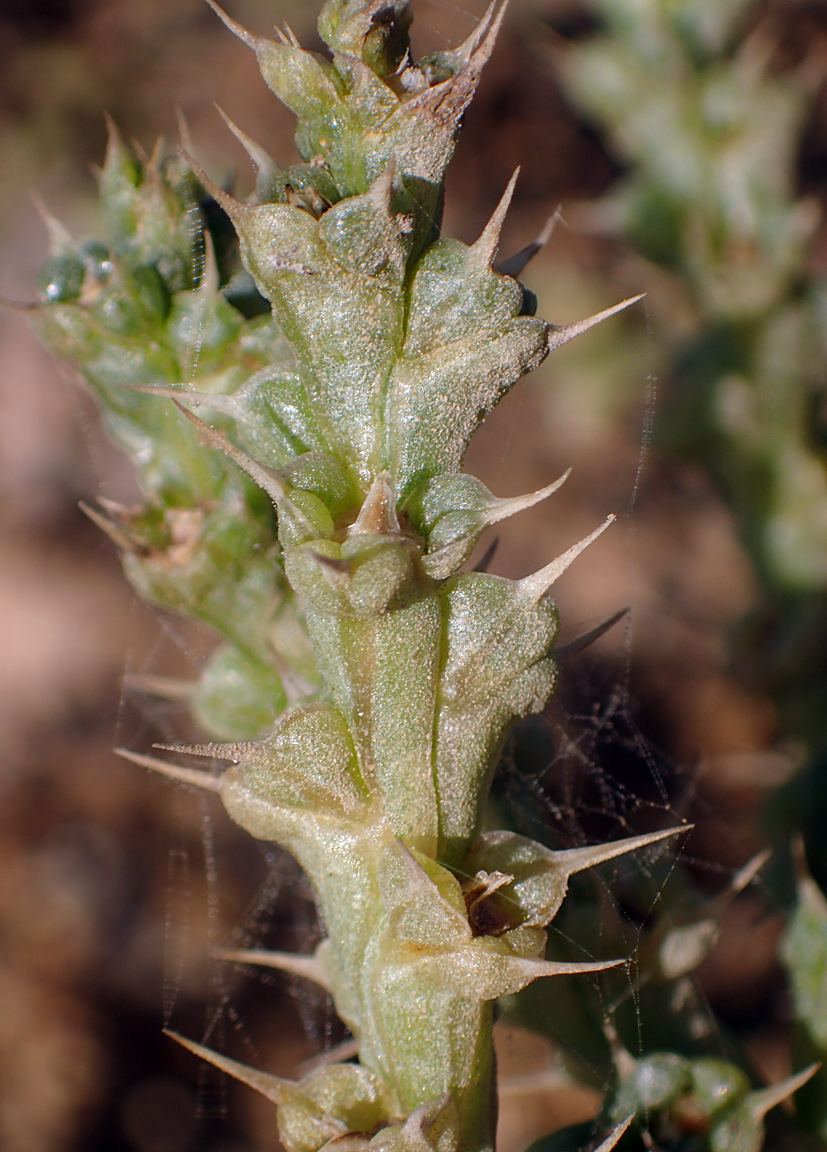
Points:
[114,886]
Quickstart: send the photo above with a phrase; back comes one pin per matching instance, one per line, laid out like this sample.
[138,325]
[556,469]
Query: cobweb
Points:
[584,771]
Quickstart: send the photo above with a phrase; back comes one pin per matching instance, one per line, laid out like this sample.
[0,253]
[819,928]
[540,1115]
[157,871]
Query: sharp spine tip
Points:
[292,38]
[111,129]
[478,47]
[119,538]
[162,687]
[762,1101]
[578,859]
[237,29]
[191,776]
[486,247]
[20,305]
[516,264]
[262,476]
[470,45]
[273,1087]
[184,133]
[230,752]
[381,190]
[588,638]
[616,1135]
[231,206]
[308,967]
[378,512]
[561,335]
[510,506]
[534,586]
[563,968]
[259,157]
[183,394]
[332,565]
[60,239]
[745,875]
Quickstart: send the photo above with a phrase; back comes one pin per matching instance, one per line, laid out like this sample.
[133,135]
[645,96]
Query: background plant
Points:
[710,196]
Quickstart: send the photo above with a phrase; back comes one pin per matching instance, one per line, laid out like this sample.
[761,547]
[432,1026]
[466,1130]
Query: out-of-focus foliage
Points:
[710,134]
[155,307]
[694,99]
[804,951]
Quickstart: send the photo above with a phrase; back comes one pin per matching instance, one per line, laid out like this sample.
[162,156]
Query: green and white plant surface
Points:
[298,425]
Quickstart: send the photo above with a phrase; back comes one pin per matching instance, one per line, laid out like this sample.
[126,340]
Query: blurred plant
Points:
[692,100]
[709,194]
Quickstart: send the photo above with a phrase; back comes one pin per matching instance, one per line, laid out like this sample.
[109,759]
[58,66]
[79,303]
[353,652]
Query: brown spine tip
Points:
[237,29]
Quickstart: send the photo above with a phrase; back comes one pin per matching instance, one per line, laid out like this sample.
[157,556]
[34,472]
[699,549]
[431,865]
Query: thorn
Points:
[616,1135]
[230,752]
[192,776]
[339,1053]
[579,859]
[484,41]
[183,394]
[234,208]
[622,1058]
[113,136]
[764,1099]
[20,305]
[291,36]
[116,510]
[565,968]
[164,687]
[381,190]
[262,476]
[515,264]
[485,249]
[60,239]
[273,1087]
[467,76]
[237,29]
[488,555]
[378,512]
[469,46]
[307,967]
[477,48]
[156,158]
[744,876]
[120,539]
[184,133]
[588,638]
[534,586]
[332,564]
[417,876]
[717,906]
[502,509]
[559,336]
[261,159]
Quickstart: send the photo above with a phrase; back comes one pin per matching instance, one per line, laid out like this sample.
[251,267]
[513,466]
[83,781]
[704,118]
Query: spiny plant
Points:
[320,522]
